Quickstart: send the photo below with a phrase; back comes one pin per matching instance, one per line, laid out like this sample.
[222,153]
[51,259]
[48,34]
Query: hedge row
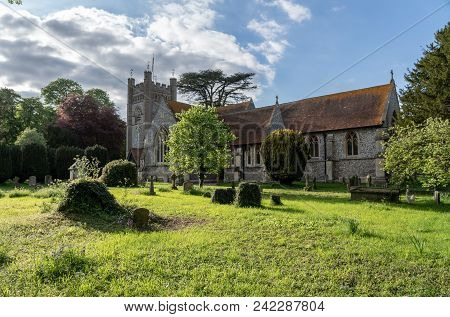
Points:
[37,160]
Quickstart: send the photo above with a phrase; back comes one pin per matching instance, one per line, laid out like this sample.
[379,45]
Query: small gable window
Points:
[314,146]
[352,144]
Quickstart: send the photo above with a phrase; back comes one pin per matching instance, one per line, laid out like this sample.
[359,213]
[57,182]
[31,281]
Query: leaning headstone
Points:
[437,197]
[48,179]
[187,186]
[174,180]
[32,181]
[16,181]
[369,181]
[152,187]
[141,217]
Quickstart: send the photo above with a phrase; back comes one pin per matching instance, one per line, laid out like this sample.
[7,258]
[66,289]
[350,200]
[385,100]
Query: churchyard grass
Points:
[302,248]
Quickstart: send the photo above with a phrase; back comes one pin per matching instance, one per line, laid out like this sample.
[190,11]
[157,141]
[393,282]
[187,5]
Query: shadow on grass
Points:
[310,197]
[284,209]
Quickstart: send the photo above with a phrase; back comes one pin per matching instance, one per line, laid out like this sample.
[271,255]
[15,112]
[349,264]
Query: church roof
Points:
[345,110]
[177,107]
[237,107]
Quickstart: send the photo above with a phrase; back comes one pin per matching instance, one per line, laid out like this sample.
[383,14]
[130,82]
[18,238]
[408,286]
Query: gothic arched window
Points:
[161,147]
[314,146]
[352,144]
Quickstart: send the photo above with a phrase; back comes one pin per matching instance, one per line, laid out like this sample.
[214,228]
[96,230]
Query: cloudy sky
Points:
[294,46]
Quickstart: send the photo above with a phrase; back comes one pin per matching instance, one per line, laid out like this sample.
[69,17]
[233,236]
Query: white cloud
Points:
[295,11]
[272,50]
[182,35]
[268,29]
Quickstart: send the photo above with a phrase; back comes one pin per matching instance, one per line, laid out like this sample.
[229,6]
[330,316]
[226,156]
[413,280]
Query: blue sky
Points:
[294,46]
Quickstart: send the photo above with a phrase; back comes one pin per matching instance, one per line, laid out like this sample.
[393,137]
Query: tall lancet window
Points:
[314,146]
[352,144]
[161,147]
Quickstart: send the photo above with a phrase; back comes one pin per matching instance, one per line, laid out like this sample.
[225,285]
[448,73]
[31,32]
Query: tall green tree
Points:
[30,136]
[32,113]
[199,143]
[9,129]
[427,93]
[213,88]
[420,152]
[56,91]
[101,96]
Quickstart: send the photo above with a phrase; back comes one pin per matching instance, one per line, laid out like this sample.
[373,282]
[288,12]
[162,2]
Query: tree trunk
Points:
[201,179]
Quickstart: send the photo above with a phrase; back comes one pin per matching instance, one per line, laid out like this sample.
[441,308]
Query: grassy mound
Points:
[88,196]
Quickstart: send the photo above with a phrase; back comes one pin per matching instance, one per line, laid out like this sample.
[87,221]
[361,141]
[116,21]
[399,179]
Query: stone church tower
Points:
[141,107]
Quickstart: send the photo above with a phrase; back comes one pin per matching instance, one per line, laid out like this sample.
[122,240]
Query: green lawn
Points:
[303,248]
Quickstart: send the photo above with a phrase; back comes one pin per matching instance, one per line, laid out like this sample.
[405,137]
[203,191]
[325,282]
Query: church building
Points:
[344,130]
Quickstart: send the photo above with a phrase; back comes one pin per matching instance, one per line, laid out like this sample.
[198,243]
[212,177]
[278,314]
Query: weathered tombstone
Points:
[32,181]
[369,181]
[409,198]
[187,186]
[48,179]
[275,200]
[141,217]
[152,187]
[437,197]
[174,180]
[16,181]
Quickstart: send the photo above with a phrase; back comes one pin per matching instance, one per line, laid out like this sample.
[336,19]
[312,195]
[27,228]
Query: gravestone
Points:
[174,180]
[369,181]
[437,197]
[152,187]
[275,200]
[187,186]
[48,179]
[16,181]
[32,181]
[141,217]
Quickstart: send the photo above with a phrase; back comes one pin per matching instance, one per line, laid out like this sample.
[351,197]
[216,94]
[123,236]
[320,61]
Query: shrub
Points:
[285,155]
[51,157]
[248,195]
[62,263]
[16,160]
[5,163]
[19,192]
[2,194]
[120,173]
[207,195]
[85,196]
[64,158]
[87,167]
[223,196]
[99,152]
[34,161]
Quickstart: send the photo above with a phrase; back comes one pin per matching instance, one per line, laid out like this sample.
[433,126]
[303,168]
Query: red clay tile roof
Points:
[177,106]
[345,110]
[237,107]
